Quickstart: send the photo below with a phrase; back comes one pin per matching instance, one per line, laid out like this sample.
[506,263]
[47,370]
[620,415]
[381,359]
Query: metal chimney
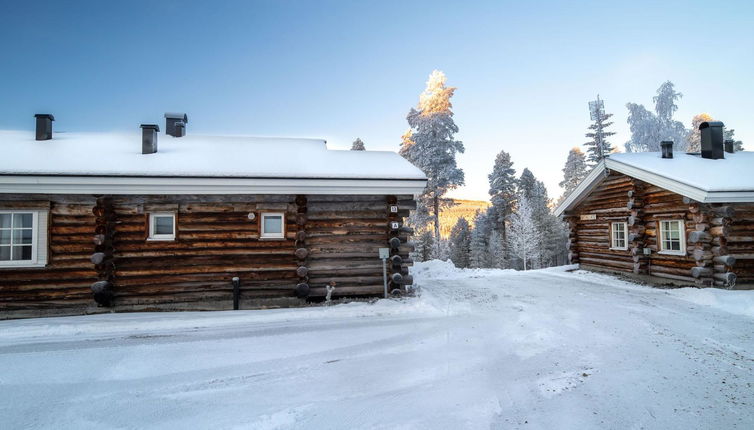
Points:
[149,138]
[667,148]
[175,124]
[44,126]
[712,139]
[730,146]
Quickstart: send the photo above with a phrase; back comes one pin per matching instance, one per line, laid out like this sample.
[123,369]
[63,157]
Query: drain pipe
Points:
[236,292]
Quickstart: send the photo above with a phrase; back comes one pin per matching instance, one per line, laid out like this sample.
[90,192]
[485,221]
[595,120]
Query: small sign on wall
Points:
[588,217]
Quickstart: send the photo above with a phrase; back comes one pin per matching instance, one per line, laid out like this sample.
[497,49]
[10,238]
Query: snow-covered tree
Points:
[480,236]
[460,242]
[598,146]
[522,234]
[496,251]
[729,134]
[503,185]
[649,129]
[424,246]
[694,139]
[358,145]
[430,146]
[574,172]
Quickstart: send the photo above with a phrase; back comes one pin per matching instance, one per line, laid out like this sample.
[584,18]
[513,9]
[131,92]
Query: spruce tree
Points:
[496,251]
[503,185]
[431,147]
[460,242]
[358,145]
[598,146]
[479,246]
[574,172]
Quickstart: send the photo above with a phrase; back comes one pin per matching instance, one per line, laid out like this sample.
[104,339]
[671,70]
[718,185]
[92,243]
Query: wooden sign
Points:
[588,217]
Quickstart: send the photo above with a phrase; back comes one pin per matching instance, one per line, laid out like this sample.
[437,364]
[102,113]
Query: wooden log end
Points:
[302,253]
[302,290]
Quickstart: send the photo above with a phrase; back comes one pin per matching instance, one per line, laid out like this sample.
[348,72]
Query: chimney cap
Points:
[45,115]
[154,127]
[176,115]
[706,124]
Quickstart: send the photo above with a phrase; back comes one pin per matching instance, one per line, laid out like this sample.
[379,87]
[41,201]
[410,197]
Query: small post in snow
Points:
[384,255]
[236,292]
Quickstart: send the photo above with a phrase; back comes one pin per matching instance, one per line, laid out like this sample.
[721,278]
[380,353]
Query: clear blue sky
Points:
[338,70]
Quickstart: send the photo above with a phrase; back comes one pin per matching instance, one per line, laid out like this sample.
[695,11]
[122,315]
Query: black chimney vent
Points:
[712,139]
[44,126]
[667,148]
[730,146]
[175,124]
[149,138]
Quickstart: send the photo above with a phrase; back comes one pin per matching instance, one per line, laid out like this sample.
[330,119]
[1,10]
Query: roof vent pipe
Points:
[667,148]
[712,139]
[730,146]
[175,124]
[149,138]
[44,126]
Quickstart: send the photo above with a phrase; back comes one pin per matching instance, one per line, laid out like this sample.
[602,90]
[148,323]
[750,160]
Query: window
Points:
[618,236]
[272,226]
[21,244]
[162,226]
[672,237]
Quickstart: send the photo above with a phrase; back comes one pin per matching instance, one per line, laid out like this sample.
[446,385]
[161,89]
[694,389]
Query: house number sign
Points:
[588,217]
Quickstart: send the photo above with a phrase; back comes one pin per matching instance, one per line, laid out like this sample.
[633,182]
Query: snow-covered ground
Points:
[478,349]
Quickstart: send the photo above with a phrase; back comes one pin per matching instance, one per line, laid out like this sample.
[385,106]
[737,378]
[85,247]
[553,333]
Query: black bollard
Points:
[236,292]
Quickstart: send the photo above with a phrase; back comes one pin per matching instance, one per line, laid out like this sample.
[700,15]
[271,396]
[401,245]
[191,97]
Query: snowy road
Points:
[478,349]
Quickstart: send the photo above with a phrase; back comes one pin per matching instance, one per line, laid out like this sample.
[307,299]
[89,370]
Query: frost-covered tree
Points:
[694,139]
[496,251]
[522,234]
[574,172]
[358,145]
[430,146]
[729,134]
[503,185]
[479,245]
[424,246]
[598,146]
[460,242]
[649,129]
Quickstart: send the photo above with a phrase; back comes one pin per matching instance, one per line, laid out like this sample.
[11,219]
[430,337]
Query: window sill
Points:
[23,266]
[272,238]
[676,253]
[161,239]
[619,249]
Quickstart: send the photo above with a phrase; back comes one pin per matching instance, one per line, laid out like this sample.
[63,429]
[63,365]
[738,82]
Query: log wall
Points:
[100,244]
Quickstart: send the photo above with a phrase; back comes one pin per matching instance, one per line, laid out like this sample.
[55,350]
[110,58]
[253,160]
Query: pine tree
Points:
[574,172]
[424,246]
[649,129]
[523,232]
[503,185]
[479,245]
[358,145]
[598,146]
[729,134]
[431,147]
[694,139]
[496,251]
[460,242]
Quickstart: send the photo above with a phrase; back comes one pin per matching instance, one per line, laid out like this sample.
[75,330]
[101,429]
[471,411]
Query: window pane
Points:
[5,237]
[22,252]
[22,237]
[23,220]
[273,224]
[4,253]
[5,220]
[163,225]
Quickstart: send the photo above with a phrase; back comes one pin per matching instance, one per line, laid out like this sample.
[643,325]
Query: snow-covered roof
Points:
[197,156]
[708,181]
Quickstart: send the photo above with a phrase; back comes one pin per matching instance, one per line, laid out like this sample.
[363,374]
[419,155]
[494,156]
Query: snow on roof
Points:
[119,154]
[708,181]
[733,173]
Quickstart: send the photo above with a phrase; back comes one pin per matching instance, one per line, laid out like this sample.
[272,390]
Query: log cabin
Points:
[95,222]
[682,219]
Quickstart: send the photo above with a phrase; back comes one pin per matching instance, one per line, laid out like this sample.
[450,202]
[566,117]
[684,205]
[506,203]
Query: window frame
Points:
[152,219]
[277,236]
[681,237]
[613,239]
[34,261]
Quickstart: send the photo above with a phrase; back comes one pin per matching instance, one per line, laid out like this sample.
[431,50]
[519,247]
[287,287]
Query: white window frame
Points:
[152,220]
[265,235]
[36,258]
[613,239]
[681,236]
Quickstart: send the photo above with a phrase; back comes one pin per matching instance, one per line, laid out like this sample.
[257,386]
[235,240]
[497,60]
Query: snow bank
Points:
[736,302]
